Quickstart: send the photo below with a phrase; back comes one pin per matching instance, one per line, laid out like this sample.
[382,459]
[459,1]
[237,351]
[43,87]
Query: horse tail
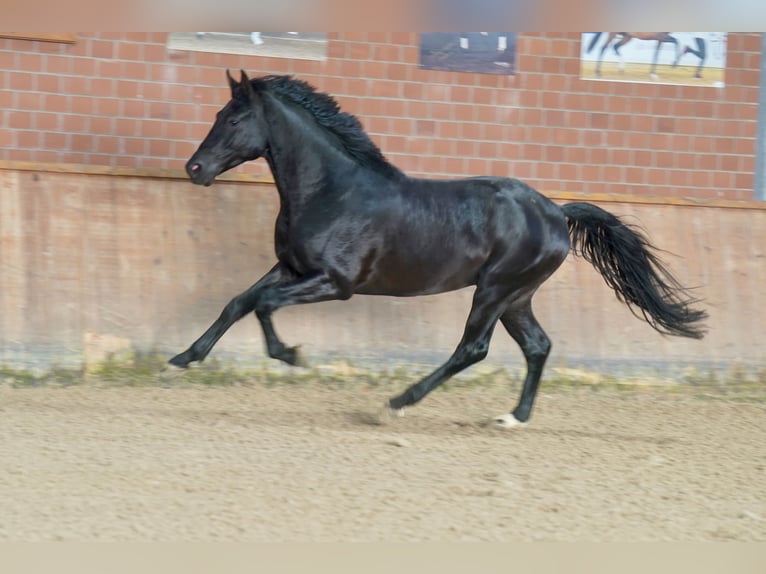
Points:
[627,261]
[593,42]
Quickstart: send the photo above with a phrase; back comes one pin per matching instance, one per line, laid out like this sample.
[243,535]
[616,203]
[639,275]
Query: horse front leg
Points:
[237,308]
[307,289]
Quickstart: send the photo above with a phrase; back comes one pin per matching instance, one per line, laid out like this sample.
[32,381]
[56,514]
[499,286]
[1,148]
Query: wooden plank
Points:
[157,173]
[267,179]
[60,37]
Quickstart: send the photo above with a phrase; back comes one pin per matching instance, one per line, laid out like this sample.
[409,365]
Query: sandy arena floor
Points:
[308,463]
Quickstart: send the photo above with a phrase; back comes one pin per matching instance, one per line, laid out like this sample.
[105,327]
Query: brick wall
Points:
[126,100]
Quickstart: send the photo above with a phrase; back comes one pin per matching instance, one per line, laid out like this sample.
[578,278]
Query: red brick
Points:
[471,131]
[547,170]
[499,168]
[568,171]
[130,51]
[622,157]
[19,120]
[153,128]
[444,147]
[46,121]
[102,49]
[159,148]
[350,68]
[82,143]
[21,81]
[594,138]
[135,146]
[551,100]
[133,108]
[417,109]
[74,85]
[8,59]
[575,154]
[743,181]
[533,81]
[55,140]
[108,106]
[386,89]
[532,152]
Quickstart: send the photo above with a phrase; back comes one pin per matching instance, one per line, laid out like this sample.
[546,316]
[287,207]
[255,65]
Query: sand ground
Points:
[309,462]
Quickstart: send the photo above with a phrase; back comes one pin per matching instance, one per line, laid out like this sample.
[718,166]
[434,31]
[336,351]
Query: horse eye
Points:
[233,122]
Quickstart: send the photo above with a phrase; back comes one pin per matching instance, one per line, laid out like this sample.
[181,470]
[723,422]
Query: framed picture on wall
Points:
[294,45]
[480,52]
[686,58]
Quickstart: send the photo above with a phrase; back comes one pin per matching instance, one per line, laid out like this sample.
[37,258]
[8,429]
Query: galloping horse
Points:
[351,223]
[625,37]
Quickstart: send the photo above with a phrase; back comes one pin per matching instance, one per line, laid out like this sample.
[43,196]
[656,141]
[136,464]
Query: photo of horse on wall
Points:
[482,52]
[685,58]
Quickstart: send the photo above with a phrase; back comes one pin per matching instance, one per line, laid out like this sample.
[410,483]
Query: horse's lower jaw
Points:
[206,181]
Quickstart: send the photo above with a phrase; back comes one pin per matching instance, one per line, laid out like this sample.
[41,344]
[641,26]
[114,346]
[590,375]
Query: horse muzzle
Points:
[199,174]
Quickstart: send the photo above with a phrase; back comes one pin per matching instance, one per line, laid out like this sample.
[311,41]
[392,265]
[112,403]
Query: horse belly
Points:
[412,274]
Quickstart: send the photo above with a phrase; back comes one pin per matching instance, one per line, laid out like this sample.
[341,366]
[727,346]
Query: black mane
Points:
[346,127]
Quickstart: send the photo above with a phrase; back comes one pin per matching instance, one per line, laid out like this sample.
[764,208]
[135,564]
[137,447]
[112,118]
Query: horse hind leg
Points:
[473,347]
[522,325]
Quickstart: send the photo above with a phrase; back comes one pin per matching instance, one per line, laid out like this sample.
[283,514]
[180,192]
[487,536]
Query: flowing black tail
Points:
[628,264]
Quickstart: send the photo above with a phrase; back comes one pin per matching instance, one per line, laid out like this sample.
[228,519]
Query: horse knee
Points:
[474,352]
[538,350]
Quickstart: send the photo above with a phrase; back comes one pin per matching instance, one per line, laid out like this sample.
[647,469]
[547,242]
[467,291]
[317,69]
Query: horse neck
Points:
[299,154]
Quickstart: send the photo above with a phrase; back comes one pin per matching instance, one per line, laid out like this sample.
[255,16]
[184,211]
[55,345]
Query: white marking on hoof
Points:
[654,77]
[170,372]
[508,421]
[387,414]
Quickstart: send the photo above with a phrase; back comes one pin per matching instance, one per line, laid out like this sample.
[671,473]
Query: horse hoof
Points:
[171,371]
[654,77]
[298,358]
[179,361]
[508,421]
[389,414]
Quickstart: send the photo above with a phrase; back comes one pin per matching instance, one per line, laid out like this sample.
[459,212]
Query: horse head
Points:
[239,134]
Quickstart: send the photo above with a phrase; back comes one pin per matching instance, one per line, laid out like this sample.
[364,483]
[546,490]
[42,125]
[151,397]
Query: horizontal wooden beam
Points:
[156,173]
[267,179]
[60,37]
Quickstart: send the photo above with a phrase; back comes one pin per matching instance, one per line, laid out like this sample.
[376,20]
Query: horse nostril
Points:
[195,167]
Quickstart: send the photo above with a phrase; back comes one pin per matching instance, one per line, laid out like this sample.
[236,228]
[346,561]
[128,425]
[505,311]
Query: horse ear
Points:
[245,84]
[232,83]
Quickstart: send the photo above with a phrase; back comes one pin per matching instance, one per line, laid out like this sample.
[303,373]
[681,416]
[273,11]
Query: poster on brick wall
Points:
[685,58]
[480,52]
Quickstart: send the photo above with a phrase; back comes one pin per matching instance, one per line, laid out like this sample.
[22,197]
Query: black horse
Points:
[350,222]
